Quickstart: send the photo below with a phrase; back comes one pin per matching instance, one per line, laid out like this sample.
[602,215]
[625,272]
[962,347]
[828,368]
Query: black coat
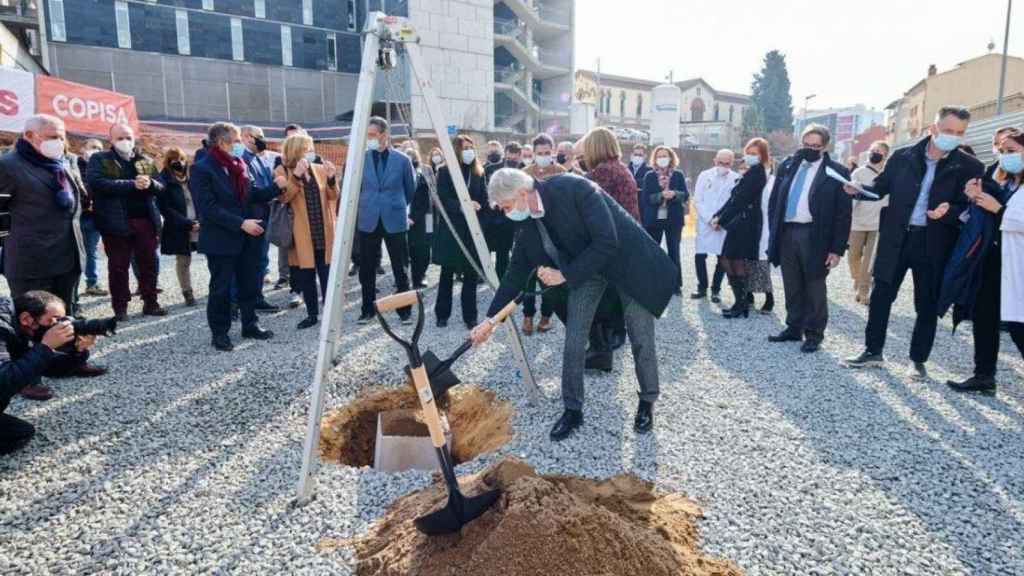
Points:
[22,362]
[594,236]
[219,211]
[498,230]
[419,208]
[831,209]
[901,182]
[446,251]
[650,199]
[741,216]
[175,236]
[112,182]
[639,173]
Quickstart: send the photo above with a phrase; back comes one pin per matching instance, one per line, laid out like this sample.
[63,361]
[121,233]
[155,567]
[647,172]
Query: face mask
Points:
[309,156]
[527,162]
[493,157]
[562,158]
[468,156]
[373,145]
[237,149]
[876,158]
[178,166]
[518,215]
[509,163]
[946,142]
[39,331]
[543,160]
[52,149]
[125,147]
[809,154]
[437,160]
[722,170]
[86,154]
[663,162]
[637,160]
[261,144]
[751,159]
[1012,163]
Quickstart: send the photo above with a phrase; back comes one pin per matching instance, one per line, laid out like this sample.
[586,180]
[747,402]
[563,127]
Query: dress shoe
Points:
[281,283]
[223,343]
[982,384]
[309,322]
[786,335]
[599,360]
[154,310]
[266,307]
[294,301]
[88,371]
[190,299]
[544,325]
[920,372]
[866,359]
[256,333]
[810,346]
[769,304]
[566,425]
[95,290]
[716,298]
[737,312]
[528,325]
[644,421]
[36,392]
[365,319]
[442,322]
[699,295]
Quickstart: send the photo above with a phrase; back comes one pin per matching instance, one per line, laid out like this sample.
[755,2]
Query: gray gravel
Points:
[183,460]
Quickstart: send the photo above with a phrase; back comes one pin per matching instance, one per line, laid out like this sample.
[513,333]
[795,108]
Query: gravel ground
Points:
[185,460]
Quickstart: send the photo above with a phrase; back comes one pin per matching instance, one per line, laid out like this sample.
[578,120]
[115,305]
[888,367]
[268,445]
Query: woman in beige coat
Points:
[311,190]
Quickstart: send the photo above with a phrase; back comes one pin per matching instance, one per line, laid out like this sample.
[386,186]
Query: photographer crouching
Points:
[36,339]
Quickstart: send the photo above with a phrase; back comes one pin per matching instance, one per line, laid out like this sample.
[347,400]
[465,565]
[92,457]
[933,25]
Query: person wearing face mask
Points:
[565,155]
[389,184]
[90,235]
[180,232]
[311,190]
[421,223]
[711,192]
[574,234]
[44,248]
[864,223]
[991,250]
[124,185]
[495,153]
[809,231]
[499,231]
[543,168]
[227,203]
[664,198]
[527,156]
[446,251]
[638,165]
[262,177]
[926,185]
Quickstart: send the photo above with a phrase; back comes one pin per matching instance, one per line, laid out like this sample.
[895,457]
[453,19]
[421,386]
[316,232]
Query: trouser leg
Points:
[14,433]
[986,318]
[323,271]
[443,303]
[306,279]
[926,288]
[398,248]
[854,255]
[583,302]
[283,270]
[640,327]
[182,267]
[369,245]
[673,236]
[792,281]
[469,285]
[218,303]
[144,245]
[91,238]
[119,255]
[867,262]
[719,274]
[700,263]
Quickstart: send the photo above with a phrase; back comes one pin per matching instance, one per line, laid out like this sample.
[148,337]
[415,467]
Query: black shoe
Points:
[365,319]
[234,313]
[223,343]
[121,317]
[309,322]
[750,298]
[811,346]
[699,295]
[380,270]
[264,306]
[419,286]
[920,372]
[281,283]
[786,335]
[736,312]
[644,421]
[353,270]
[769,304]
[566,425]
[405,319]
[154,310]
[866,359]
[715,297]
[599,361]
[257,333]
[982,384]
[470,324]
[442,322]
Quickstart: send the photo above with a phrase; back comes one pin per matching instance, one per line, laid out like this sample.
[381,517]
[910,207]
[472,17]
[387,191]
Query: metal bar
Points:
[330,329]
[1002,73]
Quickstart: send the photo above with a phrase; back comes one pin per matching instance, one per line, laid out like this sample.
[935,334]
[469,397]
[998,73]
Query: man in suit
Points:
[575,234]
[918,231]
[638,165]
[388,186]
[230,232]
[262,177]
[810,230]
[499,231]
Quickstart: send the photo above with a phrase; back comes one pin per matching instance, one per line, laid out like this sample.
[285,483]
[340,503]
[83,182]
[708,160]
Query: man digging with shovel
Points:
[574,233]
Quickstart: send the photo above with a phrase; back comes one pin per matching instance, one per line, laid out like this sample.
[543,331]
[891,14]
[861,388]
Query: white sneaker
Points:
[295,301]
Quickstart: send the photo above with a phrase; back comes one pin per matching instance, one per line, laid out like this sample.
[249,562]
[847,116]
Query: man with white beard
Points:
[712,191]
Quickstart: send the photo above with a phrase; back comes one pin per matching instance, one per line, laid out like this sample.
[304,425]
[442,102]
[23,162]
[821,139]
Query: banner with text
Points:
[17,99]
[84,109]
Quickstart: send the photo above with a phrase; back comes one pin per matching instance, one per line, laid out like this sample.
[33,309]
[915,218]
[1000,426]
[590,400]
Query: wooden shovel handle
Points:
[389,303]
[504,312]
[426,396]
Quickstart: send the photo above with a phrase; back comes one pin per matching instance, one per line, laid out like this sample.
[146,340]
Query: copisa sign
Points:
[84,109]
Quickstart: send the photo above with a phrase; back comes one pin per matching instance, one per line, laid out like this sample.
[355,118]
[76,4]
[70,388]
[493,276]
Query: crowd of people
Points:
[574,224]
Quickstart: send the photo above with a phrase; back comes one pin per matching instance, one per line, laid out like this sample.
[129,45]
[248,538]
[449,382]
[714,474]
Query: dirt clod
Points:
[543,525]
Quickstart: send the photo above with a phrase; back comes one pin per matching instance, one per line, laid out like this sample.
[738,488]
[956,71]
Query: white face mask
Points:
[87,153]
[722,170]
[751,159]
[543,160]
[663,162]
[468,156]
[310,157]
[52,149]
[438,159]
[373,145]
[125,147]
[527,162]
[637,160]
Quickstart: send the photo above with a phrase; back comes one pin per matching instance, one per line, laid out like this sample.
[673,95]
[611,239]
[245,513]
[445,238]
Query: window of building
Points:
[207,4]
[181,24]
[698,91]
[307,12]
[332,51]
[58,32]
[639,105]
[351,14]
[622,103]
[124,30]
[286,45]
[697,110]
[716,111]
[260,7]
[731,111]
[237,45]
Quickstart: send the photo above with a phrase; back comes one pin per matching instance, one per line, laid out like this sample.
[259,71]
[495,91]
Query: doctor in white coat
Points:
[712,191]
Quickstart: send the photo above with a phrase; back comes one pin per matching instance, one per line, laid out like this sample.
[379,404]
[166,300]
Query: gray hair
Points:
[725,152]
[506,184]
[380,123]
[250,129]
[39,121]
[818,129]
[221,132]
[961,112]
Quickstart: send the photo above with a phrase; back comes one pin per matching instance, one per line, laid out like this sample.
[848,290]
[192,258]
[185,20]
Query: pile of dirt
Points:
[480,423]
[543,525]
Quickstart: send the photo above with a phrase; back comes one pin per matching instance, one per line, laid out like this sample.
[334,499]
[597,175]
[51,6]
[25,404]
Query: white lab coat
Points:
[766,197]
[710,194]
[1012,281]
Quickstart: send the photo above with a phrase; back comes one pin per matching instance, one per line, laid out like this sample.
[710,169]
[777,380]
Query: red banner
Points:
[84,109]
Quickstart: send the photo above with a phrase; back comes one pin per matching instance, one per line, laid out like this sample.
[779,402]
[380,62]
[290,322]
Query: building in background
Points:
[709,118]
[972,83]
[844,123]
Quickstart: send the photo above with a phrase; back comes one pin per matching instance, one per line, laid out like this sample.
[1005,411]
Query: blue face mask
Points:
[946,142]
[517,215]
[751,159]
[237,149]
[1012,163]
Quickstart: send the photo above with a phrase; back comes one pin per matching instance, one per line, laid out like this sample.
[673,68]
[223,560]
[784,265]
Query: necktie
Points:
[796,191]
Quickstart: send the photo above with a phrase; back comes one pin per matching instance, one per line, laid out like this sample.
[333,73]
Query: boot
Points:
[190,299]
[644,421]
[741,307]
[769,304]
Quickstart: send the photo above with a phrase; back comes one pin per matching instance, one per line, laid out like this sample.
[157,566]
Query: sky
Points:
[858,52]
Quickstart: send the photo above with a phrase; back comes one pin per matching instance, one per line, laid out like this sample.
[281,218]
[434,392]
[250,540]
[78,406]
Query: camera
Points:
[104,327]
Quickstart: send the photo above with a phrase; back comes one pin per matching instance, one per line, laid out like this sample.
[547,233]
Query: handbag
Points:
[281,222]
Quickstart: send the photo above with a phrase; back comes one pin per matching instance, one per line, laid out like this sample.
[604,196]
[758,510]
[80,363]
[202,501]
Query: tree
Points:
[770,93]
[752,125]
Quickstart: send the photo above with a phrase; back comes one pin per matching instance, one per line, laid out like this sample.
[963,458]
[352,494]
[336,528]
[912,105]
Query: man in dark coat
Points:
[638,165]
[918,230]
[809,218]
[263,177]
[499,231]
[575,234]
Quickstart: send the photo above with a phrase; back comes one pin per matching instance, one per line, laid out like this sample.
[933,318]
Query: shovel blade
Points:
[441,377]
[457,513]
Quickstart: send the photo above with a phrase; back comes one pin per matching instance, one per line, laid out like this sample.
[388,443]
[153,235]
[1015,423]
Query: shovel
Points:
[460,510]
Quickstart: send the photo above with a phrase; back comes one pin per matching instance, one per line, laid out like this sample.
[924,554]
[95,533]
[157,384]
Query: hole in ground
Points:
[480,423]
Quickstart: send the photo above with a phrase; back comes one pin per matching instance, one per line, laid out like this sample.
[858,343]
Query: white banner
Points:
[17,99]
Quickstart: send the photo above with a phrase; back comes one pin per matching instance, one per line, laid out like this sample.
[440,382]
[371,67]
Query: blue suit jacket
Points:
[219,211]
[387,193]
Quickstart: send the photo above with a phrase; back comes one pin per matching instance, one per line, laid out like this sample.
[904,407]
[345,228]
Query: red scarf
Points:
[236,169]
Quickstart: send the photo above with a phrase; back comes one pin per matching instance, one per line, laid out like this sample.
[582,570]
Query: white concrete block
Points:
[454,42]
[429,37]
[480,46]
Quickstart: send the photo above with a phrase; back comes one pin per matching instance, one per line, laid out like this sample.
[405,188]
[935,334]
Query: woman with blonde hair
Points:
[180,232]
[311,190]
[665,198]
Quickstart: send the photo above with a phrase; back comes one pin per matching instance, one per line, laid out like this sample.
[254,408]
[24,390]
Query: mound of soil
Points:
[543,525]
[480,423]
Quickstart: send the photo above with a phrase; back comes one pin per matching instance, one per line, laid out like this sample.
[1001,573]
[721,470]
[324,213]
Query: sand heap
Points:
[543,526]
[480,423]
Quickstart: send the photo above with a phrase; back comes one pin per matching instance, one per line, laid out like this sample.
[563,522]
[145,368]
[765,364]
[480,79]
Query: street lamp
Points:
[1002,74]
[807,100]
